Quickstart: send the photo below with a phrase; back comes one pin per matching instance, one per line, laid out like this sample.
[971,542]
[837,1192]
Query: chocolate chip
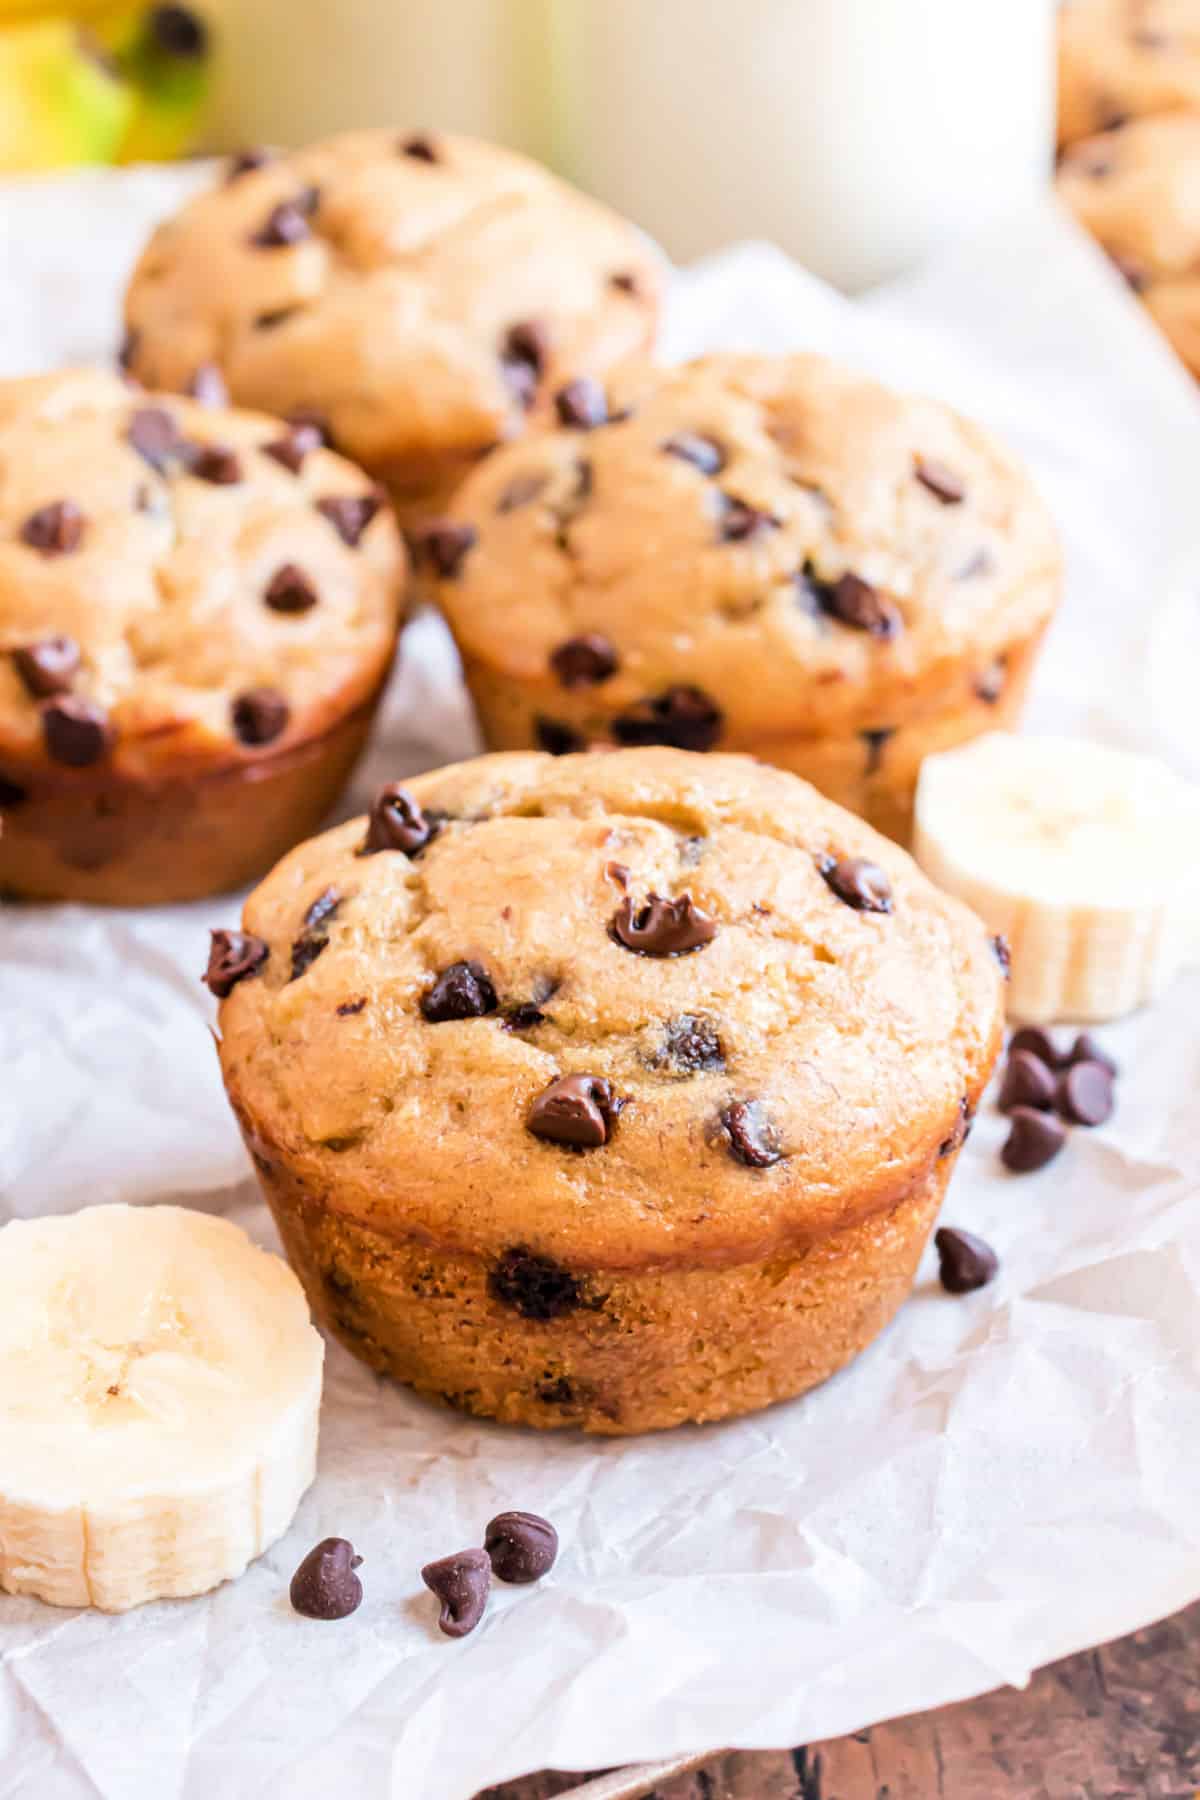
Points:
[529,342]
[692,1046]
[524,1017]
[577,1110]
[704,453]
[246,161]
[753,1140]
[271,321]
[535,1286]
[860,884]
[12,795]
[521,490]
[297,442]
[1087,1048]
[325,1585]
[207,385]
[683,717]
[290,590]
[76,731]
[584,661]
[1027,1082]
[285,224]
[259,715]
[626,281]
[740,521]
[961,1130]
[854,602]
[557,739]
[582,404]
[128,349]
[876,743]
[559,1392]
[307,417]
[521,1546]
[965,1262]
[348,1008]
[420,147]
[55,530]
[444,544]
[1085,1093]
[990,683]
[154,434]
[47,667]
[396,822]
[350,514]
[1034,1139]
[662,927]
[1002,951]
[217,463]
[461,1583]
[232,956]
[1038,1042]
[178,31]
[315,934]
[980,562]
[942,482]
[462,991]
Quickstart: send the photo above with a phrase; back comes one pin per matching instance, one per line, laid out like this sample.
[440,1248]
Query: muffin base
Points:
[621,1351]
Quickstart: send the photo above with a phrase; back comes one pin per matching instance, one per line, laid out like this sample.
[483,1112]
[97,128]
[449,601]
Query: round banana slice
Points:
[1085,857]
[160,1383]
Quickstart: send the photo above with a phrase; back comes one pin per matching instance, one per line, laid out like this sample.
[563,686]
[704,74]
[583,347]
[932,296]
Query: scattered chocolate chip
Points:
[444,544]
[753,1140]
[232,956]
[259,715]
[961,1130]
[297,442]
[683,717]
[350,514]
[942,482]
[349,1007]
[1038,1042]
[286,224]
[325,1585]
[521,1547]
[1034,1139]
[76,731]
[662,927]
[965,1262]
[535,1286]
[1027,1082]
[154,434]
[48,667]
[461,1583]
[524,1017]
[704,453]
[462,991]
[315,934]
[178,31]
[740,521]
[1134,273]
[626,281]
[1002,951]
[557,739]
[860,884]
[584,661]
[246,161]
[217,463]
[990,683]
[421,147]
[1085,1093]
[208,386]
[692,1046]
[290,590]
[55,530]
[521,490]
[396,822]
[876,743]
[12,795]
[582,404]
[854,602]
[576,1110]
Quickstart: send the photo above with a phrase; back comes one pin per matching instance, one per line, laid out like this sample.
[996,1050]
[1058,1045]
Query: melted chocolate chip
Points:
[154,434]
[461,1583]
[557,739]
[325,1585]
[740,521]
[246,161]
[520,1546]
[462,991]
[1034,1139]
[259,716]
[941,481]
[584,661]
[286,224]
[1085,1093]
[290,590]
[350,514]
[858,883]
[582,404]
[48,667]
[207,385]
[217,463]
[524,1017]
[964,1262]
[315,934]
[576,1110]
[55,530]
[960,1132]
[876,743]
[704,453]
[421,147]
[751,1136]
[444,544]
[348,1008]
[1002,951]
[535,1286]
[854,602]
[1027,1082]
[232,956]
[297,442]
[76,731]
[692,1046]
[396,822]
[662,927]
[521,490]
[683,717]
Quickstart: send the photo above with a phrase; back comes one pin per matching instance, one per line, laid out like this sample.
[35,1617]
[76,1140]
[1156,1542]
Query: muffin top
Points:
[418,292]
[1121,59]
[179,583]
[799,546]
[631,1007]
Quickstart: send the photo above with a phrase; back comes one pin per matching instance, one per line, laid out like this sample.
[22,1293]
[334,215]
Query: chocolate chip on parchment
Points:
[704,453]
[218,463]
[535,1286]
[1034,1139]
[396,822]
[155,435]
[76,731]
[961,1130]
[691,1046]
[521,490]
[578,1111]
[661,927]
[942,482]
[461,1583]
[557,739]
[232,956]
[207,385]
[858,883]
[1085,1093]
[256,156]
[48,667]
[1027,1082]
[325,1585]
[286,224]
[876,742]
[1038,1042]
[421,147]
[582,404]
[683,717]
[752,1138]
[290,590]
[584,661]
[462,991]
[1002,951]
[297,442]
[521,1546]
[350,514]
[740,520]
[856,603]
[55,530]
[259,716]
[965,1262]
[1087,1048]
[444,544]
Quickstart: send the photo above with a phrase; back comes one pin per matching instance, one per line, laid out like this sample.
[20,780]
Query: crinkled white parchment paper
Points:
[997,1482]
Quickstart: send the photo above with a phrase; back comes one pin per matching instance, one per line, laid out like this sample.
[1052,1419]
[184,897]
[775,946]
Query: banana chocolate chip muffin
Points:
[751,553]
[1124,59]
[613,1090]
[417,295]
[198,610]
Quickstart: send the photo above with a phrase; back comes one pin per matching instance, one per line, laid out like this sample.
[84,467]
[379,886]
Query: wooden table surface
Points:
[1121,1723]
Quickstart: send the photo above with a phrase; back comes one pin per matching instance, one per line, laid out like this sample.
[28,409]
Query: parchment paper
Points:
[998,1481]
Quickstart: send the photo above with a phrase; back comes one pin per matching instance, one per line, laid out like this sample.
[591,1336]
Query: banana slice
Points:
[1085,857]
[159,1389]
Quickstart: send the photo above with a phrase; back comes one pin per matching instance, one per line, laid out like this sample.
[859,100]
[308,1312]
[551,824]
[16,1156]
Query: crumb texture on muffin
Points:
[1124,59]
